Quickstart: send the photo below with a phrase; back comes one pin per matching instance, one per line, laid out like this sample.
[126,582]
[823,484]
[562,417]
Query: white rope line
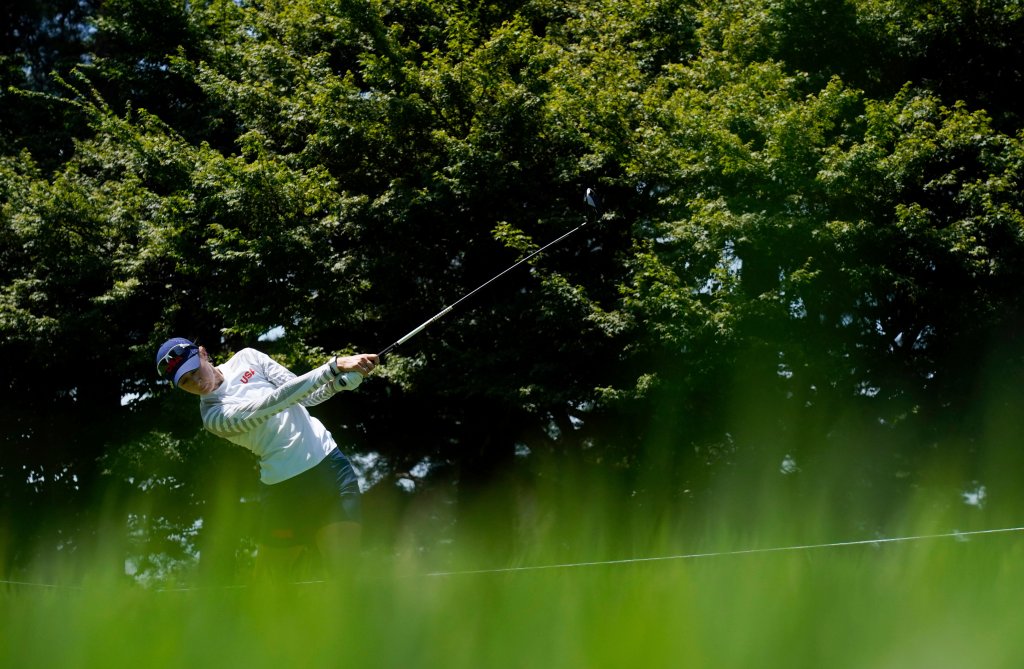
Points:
[29,584]
[956,534]
[748,551]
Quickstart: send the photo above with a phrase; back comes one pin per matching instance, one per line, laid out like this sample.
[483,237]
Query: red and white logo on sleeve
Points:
[248,375]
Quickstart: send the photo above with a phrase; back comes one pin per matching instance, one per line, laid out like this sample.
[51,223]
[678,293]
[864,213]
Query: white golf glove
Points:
[347,381]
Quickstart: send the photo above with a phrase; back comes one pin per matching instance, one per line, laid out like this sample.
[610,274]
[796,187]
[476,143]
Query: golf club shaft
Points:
[441,314]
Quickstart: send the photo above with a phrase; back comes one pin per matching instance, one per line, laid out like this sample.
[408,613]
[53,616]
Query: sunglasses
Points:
[178,354]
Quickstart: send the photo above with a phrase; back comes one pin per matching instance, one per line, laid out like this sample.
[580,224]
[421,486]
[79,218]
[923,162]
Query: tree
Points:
[833,246]
[798,247]
[37,39]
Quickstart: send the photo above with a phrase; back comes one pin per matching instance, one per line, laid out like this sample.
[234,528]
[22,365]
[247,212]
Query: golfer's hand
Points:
[361,362]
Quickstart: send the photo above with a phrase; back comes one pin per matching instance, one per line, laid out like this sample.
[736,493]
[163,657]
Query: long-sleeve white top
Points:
[261,406]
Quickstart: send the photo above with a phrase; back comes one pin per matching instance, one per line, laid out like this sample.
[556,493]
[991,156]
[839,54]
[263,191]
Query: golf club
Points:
[589,197]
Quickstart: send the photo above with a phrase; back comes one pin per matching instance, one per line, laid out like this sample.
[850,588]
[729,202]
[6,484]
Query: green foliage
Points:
[829,244]
[813,231]
[37,39]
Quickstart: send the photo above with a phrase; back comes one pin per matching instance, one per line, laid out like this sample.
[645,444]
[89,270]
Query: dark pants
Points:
[294,509]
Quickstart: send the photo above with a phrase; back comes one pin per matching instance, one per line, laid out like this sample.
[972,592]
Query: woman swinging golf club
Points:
[309,492]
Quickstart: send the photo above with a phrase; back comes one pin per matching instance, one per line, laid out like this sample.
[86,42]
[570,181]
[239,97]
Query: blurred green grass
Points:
[930,602]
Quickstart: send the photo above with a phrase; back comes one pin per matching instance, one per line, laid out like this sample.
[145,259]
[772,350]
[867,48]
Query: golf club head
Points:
[590,197]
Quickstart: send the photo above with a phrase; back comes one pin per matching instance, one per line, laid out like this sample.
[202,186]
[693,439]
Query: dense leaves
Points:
[811,249]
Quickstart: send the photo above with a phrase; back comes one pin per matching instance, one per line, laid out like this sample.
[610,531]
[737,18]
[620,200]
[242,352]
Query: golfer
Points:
[309,492]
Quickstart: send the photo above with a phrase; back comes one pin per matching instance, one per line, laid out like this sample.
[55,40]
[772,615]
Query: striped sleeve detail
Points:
[275,372]
[321,394]
[232,419]
[280,375]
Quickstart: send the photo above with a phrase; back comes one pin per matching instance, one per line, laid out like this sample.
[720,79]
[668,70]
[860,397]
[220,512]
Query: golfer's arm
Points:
[237,418]
[279,375]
